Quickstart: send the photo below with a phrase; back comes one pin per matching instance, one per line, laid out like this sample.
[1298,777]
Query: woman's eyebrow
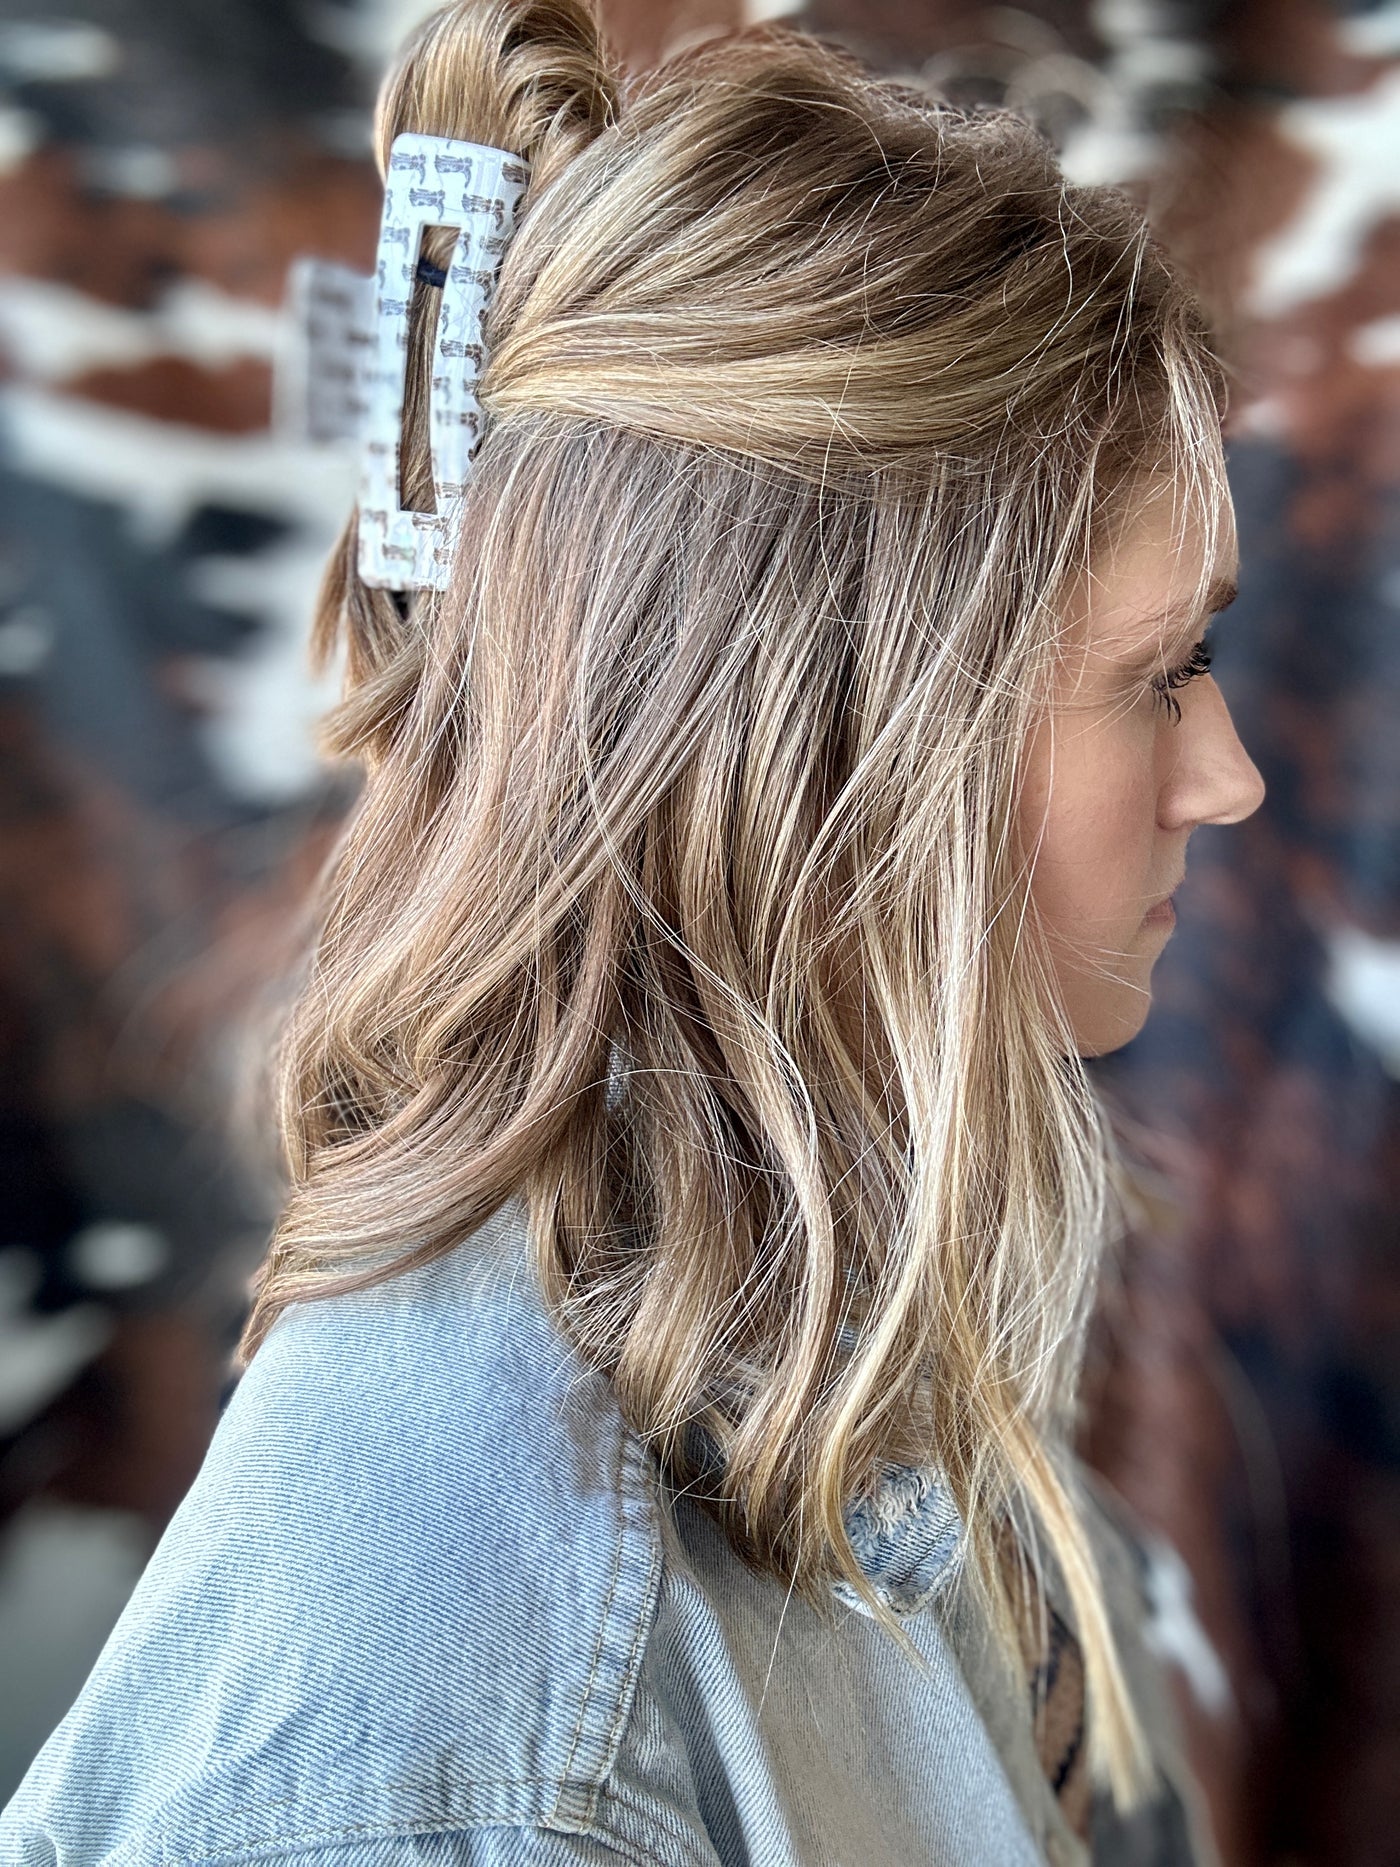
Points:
[1218,594]
[1179,621]
[1221,594]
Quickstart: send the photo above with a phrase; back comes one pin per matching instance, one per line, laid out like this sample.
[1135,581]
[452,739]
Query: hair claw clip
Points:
[432,181]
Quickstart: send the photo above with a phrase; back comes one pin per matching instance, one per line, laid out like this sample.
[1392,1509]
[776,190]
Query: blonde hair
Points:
[684,896]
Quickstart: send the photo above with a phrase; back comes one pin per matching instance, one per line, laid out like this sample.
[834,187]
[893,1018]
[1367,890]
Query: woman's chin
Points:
[1115,1017]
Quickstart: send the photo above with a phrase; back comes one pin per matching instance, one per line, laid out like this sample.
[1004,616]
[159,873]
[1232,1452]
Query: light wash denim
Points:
[427,1602]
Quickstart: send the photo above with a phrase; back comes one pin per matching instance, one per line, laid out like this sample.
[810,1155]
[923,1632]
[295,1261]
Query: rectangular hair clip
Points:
[432,181]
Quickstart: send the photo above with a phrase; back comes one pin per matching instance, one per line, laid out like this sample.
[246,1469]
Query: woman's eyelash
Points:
[1195,664]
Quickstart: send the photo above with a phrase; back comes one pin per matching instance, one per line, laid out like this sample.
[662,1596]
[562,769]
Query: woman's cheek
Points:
[1115,819]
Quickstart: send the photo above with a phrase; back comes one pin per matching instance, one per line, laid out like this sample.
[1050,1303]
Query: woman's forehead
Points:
[1172,561]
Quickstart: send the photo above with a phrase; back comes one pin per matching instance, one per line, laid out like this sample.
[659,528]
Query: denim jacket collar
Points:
[907,1536]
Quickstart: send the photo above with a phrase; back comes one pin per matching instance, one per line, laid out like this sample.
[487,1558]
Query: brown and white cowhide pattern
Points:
[163,808]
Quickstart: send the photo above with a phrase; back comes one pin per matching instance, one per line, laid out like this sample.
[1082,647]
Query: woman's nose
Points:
[1214,780]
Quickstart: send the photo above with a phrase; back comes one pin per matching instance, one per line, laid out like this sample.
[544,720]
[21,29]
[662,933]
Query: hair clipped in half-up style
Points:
[683,898]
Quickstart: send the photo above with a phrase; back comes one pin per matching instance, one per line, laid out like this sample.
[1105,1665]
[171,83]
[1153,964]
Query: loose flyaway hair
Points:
[684,897]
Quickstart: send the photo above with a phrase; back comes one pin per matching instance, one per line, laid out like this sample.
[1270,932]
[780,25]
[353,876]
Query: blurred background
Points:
[162,810]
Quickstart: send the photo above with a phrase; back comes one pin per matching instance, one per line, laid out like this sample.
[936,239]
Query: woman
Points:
[654,1444]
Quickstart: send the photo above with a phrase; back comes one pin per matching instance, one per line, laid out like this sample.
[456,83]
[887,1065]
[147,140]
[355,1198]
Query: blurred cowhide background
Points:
[161,808]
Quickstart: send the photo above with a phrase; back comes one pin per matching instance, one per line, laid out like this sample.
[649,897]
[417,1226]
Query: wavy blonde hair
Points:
[684,896]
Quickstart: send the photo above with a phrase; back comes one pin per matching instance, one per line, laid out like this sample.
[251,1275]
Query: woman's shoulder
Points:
[409,1590]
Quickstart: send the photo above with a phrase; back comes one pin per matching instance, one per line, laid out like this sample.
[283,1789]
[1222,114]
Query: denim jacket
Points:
[428,1601]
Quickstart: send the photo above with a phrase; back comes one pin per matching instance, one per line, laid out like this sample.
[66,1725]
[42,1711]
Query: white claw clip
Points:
[433,181]
[345,374]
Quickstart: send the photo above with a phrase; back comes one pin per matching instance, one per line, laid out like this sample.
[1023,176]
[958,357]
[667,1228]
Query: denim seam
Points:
[661,1820]
[631,1463]
[591,1790]
[626,1696]
[272,1847]
[616,1849]
[948,1568]
[309,1841]
[900,1603]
